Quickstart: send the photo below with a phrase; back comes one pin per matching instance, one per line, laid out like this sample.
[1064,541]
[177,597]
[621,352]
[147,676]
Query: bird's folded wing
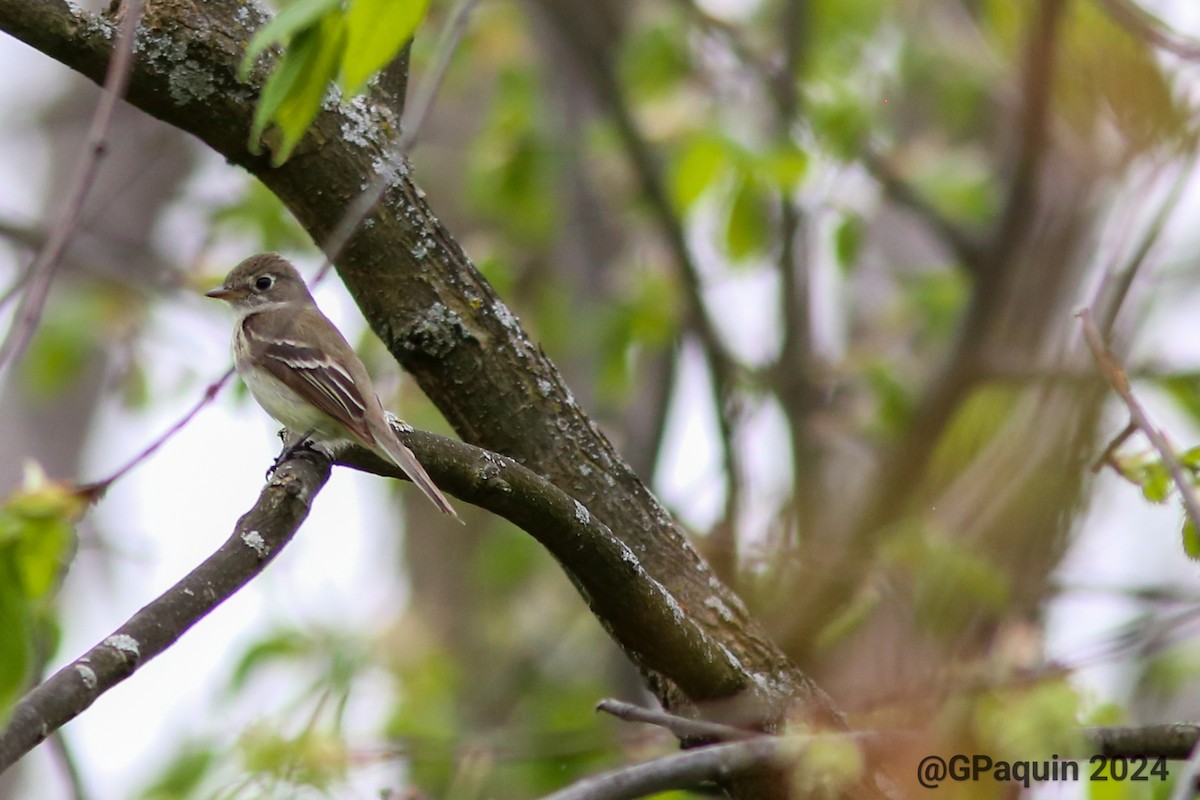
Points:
[318,377]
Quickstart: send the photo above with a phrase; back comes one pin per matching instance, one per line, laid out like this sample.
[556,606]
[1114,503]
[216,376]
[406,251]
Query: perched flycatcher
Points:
[303,372]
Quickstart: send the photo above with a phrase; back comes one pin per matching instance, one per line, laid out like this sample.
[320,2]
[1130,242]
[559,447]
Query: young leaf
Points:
[15,637]
[1191,541]
[308,66]
[376,30]
[847,242]
[698,166]
[293,18]
[281,83]
[748,229]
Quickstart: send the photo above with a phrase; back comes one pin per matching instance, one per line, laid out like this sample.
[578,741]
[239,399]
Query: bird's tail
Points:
[395,451]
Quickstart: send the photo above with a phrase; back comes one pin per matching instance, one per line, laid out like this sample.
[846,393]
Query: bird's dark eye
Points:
[264,282]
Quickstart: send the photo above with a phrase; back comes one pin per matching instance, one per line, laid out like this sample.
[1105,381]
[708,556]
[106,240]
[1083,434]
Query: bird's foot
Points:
[300,445]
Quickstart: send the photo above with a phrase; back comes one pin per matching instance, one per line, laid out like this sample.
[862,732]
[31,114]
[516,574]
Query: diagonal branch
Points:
[257,538]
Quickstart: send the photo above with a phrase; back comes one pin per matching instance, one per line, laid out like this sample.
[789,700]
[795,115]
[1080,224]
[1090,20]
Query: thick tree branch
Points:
[258,536]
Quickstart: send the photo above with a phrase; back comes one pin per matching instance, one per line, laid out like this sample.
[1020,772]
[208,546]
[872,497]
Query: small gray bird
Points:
[303,372]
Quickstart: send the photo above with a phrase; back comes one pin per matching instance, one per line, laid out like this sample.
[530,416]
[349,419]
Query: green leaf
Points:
[894,401]
[293,94]
[748,229]
[700,162]
[36,525]
[783,167]
[1191,541]
[300,107]
[1155,481]
[283,78]
[847,242]
[293,18]
[376,31]
[841,122]
[1184,389]
[15,633]
[654,61]
[1190,458]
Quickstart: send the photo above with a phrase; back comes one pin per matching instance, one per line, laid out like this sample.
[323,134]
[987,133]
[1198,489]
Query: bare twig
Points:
[682,727]
[415,114]
[1109,454]
[66,760]
[1173,740]
[720,762]
[41,272]
[967,248]
[1111,369]
[96,489]
[1114,290]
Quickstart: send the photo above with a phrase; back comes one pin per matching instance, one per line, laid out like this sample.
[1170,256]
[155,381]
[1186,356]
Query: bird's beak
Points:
[220,293]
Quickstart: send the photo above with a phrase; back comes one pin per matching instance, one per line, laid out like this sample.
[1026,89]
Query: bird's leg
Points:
[289,450]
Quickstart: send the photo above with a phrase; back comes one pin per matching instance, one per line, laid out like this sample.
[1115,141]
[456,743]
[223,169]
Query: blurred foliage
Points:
[37,532]
[258,213]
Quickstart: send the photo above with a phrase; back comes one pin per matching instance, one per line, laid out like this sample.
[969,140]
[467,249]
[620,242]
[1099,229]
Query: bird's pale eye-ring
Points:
[264,282]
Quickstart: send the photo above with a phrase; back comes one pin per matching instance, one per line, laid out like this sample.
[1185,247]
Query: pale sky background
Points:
[331,573]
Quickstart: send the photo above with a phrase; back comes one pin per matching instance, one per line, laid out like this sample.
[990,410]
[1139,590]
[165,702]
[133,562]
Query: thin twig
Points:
[722,762]
[1114,290]
[66,760]
[1112,371]
[1138,22]
[1109,454]
[41,272]
[95,490]
[966,247]
[415,114]
[682,727]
